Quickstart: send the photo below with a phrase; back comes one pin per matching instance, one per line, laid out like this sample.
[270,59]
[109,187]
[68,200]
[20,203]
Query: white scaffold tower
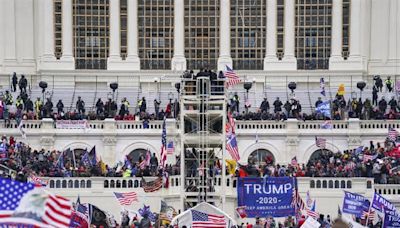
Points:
[203,116]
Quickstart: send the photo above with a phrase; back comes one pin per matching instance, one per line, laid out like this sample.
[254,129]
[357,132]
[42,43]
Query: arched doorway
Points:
[261,157]
[137,155]
[320,155]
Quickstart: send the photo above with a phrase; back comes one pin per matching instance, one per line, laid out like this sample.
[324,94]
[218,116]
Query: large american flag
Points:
[232,77]
[393,134]
[18,199]
[201,220]
[232,147]
[152,186]
[170,147]
[126,198]
[230,126]
[297,201]
[163,145]
[320,142]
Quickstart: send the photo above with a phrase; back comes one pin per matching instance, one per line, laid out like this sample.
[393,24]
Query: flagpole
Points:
[369,209]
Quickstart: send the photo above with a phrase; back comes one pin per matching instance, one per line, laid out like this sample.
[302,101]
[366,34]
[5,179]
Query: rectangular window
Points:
[156,33]
[346,29]
[57,28]
[202,33]
[248,30]
[91,33]
[313,34]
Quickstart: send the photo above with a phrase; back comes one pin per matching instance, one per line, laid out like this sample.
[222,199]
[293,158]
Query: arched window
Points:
[320,154]
[137,155]
[261,157]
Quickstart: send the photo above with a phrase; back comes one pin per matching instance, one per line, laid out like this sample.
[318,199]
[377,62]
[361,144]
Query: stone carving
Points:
[292,141]
[109,141]
[47,141]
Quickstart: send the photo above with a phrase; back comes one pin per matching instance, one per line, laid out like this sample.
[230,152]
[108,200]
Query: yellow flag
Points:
[231,166]
[103,167]
[341,90]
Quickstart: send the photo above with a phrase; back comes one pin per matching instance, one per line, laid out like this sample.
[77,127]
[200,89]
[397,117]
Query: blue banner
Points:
[355,204]
[271,196]
[392,219]
[379,203]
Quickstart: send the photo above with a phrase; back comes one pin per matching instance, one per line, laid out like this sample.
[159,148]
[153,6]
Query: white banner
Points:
[72,124]
[311,223]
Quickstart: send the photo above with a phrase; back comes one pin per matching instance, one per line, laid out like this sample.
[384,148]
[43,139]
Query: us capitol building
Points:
[80,47]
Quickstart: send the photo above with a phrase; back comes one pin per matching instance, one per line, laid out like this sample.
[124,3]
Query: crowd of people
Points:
[380,161]
[19,161]
[26,107]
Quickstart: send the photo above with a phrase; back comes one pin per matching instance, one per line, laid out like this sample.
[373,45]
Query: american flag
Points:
[350,166]
[393,134]
[233,78]
[37,181]
[152,186]
[368,157]
[230,126]
[320,142]
[297,201]
[163,145]
[311,211]
[84,209]
[202,220]
[18,199]
[232,147]
[370,215]
[170,147]
[126,198]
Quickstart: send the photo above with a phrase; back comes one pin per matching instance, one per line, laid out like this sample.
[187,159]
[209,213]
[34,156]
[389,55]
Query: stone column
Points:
[289,58]
[355,29]
[337,29]
[67,56]
[179,61]
[271,39]
[9,33]
[133,56]
[48,33]
[225,35]
[337,35]
[114,58]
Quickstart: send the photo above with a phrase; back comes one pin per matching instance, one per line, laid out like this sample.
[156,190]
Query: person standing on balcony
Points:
[153,164]
[22,84]
[156,107]
[38,108]
[143,105]
[60,107]
[99,107]
[237,102]
[80,106]
[29,105]
[375,91]
[382,105]
[378,83]
[389,84]
[48,108]
[393,104]
[264,105]
[14,82]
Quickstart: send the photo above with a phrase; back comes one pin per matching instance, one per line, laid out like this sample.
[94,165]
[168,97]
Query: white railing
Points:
[240,125]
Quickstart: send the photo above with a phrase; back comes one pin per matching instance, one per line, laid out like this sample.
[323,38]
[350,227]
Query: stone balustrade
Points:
[115,139]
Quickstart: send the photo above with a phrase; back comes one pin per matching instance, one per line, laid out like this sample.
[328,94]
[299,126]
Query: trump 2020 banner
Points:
[380,203]
[392,219]
[355,204]
[271,196]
